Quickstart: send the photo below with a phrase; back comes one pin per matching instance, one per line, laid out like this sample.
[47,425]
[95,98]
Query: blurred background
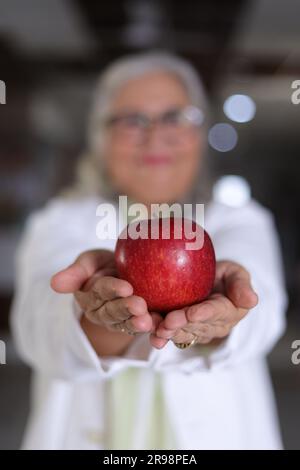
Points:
[248,53]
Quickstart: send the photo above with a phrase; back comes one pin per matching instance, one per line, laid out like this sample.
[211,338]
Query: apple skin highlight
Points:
[163,271]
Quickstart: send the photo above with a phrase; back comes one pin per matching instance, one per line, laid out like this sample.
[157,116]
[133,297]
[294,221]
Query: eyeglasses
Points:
[174,123]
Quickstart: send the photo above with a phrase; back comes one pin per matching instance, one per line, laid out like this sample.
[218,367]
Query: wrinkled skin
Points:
[108,301]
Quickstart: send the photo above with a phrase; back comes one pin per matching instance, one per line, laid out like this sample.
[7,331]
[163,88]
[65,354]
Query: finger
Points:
[183,336]
[109,288]
[205,332]
[74,276]
[241,293]
[211,334]
[162,332]
[104,288]
[119,310]
[221,332]
[237,283]
[156,320]
[216,308]
[199,329]
[156,342]
[109,271]
[174,320]
[139,324]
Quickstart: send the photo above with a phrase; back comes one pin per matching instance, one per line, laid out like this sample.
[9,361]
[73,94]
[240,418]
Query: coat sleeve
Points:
[247,236]
[45,324]
[252,241]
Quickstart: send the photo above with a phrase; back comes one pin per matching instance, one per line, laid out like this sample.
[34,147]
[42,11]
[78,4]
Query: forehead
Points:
[153,91]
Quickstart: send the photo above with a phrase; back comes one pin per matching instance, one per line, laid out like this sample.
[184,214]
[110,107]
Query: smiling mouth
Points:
[156,160]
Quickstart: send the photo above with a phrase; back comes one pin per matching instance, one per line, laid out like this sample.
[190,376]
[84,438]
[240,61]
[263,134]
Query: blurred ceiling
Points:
[256,37]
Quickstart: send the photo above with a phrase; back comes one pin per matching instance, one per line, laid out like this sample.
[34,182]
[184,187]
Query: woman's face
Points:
[158,163]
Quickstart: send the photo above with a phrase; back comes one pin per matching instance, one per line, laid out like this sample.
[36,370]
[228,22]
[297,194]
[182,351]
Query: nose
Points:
[154,135]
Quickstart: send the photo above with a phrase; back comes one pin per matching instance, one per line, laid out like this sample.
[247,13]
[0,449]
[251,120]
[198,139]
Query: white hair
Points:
[91,177]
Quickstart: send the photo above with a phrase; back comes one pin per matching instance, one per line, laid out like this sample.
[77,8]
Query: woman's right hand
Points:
[104,299]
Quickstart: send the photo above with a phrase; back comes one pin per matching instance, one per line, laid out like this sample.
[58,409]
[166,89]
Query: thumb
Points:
[72,278]
[238,286]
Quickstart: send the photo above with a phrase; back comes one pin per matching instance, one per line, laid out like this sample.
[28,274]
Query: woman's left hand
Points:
[214,318]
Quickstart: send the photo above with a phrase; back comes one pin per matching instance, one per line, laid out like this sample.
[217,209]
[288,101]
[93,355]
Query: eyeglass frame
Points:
[191,116]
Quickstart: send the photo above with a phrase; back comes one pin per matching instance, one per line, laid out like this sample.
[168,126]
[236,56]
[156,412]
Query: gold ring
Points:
[186,345]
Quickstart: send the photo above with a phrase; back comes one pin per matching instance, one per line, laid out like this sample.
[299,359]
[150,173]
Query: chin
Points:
[152,191]
[158,197]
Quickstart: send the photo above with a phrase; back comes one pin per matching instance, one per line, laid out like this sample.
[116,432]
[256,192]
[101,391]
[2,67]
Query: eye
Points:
[134,120]
[172,117]
[183,117]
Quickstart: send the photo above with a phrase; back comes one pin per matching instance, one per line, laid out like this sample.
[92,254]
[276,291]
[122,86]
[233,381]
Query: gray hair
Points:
[91,177]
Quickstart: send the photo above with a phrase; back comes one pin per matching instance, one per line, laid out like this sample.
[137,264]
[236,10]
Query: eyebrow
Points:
[129,111]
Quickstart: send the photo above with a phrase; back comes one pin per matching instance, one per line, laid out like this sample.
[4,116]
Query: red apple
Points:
[165,272]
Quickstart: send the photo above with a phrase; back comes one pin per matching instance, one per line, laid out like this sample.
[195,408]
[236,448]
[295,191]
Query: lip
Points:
[156,159]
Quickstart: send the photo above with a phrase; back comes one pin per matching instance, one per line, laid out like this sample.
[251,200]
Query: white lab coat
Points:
[222,400]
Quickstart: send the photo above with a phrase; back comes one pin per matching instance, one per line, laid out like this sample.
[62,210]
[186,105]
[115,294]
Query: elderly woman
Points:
[99,386]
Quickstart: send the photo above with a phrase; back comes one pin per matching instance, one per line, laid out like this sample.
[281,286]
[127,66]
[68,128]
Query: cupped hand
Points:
[214,318]
[104,299]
